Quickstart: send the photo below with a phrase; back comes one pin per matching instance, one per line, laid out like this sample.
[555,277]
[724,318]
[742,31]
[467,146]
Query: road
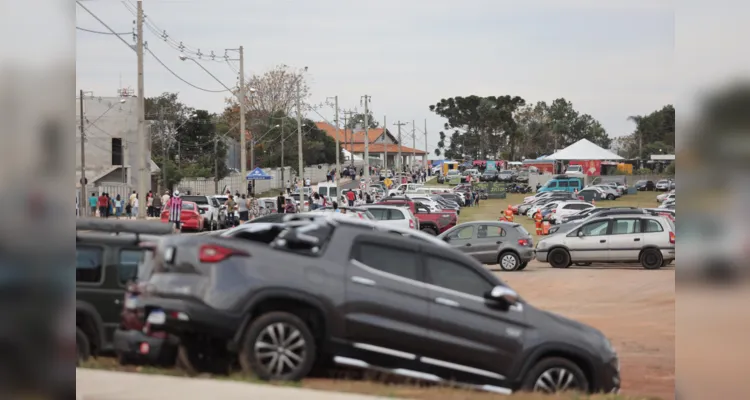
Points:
[108,385]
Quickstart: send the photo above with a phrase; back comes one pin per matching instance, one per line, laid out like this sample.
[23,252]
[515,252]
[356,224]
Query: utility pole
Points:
[301,171]
[399,160]
[216,162]
[82,202]
[243,144]
[367,145]
[385,144]
[426,153]
[347,116]
[338,149]
[166,154]
[282,154]
[413,144]
[142,165]
[640,149]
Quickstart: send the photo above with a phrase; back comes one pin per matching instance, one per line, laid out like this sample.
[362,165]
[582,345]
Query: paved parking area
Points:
[634,307]
[108,385]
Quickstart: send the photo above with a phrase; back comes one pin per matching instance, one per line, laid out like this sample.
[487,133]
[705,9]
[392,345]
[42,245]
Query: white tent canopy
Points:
[583,150]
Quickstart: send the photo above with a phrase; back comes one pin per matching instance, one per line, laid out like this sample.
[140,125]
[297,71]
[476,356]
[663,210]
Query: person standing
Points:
[157,206]
[242,207]
[118,206]
[135,206]
[93,204]
[102,204]
[150,204]
[288,187]
[165,200]
[538,222]
[174,205]
[231,209]
[350,197]
[133,196]
[280,200]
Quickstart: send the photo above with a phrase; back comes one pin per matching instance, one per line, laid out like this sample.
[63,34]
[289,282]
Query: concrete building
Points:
[111,128]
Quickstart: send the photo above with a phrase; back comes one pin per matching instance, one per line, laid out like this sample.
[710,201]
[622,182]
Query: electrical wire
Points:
[179,77]
[103,33]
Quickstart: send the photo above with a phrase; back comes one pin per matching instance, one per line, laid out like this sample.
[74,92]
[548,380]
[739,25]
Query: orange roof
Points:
[377,148]
[349,135]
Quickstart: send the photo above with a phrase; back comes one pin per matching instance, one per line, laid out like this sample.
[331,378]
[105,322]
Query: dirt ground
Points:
[634,307]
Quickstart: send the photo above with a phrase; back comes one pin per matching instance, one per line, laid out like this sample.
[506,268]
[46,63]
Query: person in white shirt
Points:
[307,182]
[135,206]
[164,200]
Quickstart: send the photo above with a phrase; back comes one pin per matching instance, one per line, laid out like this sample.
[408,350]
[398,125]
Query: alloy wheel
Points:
[280,349]
[555,380]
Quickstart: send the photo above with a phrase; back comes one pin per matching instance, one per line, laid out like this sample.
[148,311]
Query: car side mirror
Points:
[580,234]
[447,239]
[502,297]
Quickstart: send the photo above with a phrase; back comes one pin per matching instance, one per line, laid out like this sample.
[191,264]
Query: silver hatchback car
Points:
[645,239]
[493,242]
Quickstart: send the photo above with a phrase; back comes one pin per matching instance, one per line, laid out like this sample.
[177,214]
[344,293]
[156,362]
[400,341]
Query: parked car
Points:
[393,303]
[209,208]
[644,185]
[190,217]
[430,222]
[571,221]
[567,208]
[108,253]
[664,196]
[610,193]
[563,183]
[493,242]
[645,239]
[489,176]
[621,188]
[393,216]
[523,176]
[505,176]
[664,185]
[592,193]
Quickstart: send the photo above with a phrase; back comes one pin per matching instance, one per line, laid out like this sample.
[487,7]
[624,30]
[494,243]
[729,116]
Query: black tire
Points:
[83,346]
[523,266]
[582,264]
[559,258]
[429,230]
[546,373]
[509,261]
[651,259]
[610,196]
[304,348]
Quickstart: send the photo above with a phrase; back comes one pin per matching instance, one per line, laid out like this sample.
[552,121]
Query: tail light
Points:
[554,210]
[411,224]
[671,237]
[580,197]
[523,242]
[209,253]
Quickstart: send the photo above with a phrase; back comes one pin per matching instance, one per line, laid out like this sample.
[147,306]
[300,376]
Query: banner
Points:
[590,167]
[494,190]
[491,166]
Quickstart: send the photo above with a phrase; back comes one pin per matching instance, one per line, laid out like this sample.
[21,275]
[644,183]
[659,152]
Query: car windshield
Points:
[188,206]
[200,200]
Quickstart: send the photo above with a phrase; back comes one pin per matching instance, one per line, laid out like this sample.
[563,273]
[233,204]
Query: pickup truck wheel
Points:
[555,375]
[83,346]
[559,258]
[278,346]
[651,259]
[430,230]
[509,261]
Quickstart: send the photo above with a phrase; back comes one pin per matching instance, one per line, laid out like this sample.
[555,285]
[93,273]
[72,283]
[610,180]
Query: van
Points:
[562,183]
[329,190]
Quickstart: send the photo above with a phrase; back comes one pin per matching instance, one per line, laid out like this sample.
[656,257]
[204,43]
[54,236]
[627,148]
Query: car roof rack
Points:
[117,227]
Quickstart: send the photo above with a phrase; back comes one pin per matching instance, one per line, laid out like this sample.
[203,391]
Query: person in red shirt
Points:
[350,197]
[103,203]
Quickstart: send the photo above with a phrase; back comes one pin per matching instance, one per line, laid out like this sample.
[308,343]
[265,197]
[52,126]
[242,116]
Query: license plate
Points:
[131,302]
[156,318]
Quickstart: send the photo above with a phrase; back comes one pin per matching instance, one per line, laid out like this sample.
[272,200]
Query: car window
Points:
[563,183]
[652,225]
[395,215]
[598,228]
[379,213]
[465,233]
[489,231]
[452,275]
[89,264]
[127,268]
[215,202]
[187,206]
[201,200]
[388,259]
[626,226]
[552,184]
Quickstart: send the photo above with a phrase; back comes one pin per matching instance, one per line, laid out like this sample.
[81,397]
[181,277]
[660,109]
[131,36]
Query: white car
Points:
[660,198]
[393,216]
[542,195]
[610,193]
[431,204]
[567,208]
[534,209]
[574,169]
[208,208]
[663,185]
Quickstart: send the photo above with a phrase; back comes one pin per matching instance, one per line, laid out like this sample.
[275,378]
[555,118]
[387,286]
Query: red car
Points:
[190,217]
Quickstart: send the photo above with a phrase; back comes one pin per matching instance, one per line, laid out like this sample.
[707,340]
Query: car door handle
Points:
[363,281]
[637,239]
[602,241]
[446,302]
[468,244]
[499,242]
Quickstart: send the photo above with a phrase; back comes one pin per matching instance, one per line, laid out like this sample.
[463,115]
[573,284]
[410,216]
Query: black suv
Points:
[488,176]
[107,257]
[335,291]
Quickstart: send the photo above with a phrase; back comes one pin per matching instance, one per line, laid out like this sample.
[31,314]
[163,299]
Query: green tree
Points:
[654,133]
[359,119]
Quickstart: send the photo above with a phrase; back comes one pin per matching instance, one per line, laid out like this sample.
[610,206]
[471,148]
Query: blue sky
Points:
[610,58]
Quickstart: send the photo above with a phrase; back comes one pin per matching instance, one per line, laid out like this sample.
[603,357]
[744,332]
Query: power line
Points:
[103,33]
[178,77]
